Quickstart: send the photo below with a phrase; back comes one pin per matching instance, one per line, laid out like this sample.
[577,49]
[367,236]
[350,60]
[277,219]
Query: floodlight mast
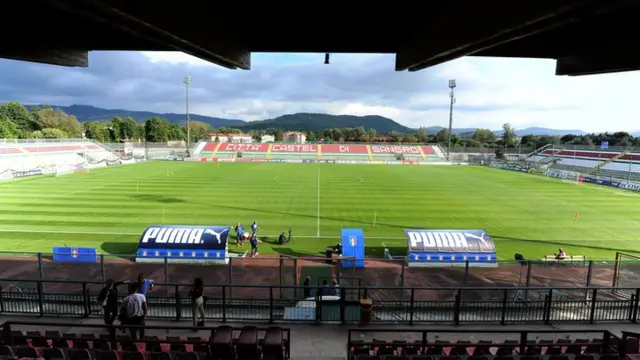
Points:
[452,85]
[187,82]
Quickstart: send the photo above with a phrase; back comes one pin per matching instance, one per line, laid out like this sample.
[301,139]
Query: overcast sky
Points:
[490,92]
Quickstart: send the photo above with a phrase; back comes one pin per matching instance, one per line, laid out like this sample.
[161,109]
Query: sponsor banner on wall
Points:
[226,160]
[128,161]
[634,187]
[308,161]
[275,161]
[244,160]
[384,149]
[260,160]
[304,148]
[21,174]
[113,163]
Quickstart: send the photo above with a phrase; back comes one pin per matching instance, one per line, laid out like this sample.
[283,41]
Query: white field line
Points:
[140,233]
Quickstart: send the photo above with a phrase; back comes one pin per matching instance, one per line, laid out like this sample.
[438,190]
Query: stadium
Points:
[368,247]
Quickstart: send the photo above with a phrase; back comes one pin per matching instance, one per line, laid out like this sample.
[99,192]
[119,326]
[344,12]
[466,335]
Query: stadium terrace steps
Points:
[596,168]
[620,165]
[26,155]
[362,152]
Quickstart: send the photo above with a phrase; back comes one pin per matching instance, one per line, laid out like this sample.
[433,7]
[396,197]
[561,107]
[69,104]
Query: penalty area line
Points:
[140,233]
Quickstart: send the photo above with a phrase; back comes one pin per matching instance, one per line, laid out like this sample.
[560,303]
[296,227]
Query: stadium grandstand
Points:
[621,164]
[374,153]
[51,156]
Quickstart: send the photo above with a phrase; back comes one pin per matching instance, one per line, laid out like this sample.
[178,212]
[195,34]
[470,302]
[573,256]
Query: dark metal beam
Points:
[604,62]
[111,17]
[62,57]
[472,26]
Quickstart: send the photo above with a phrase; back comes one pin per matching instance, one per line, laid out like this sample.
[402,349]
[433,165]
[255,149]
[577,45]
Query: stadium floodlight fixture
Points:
[187,82]
[452,85]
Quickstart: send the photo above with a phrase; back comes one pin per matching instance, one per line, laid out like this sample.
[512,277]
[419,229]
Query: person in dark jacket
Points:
[307,287]
[108,298]
[197,302]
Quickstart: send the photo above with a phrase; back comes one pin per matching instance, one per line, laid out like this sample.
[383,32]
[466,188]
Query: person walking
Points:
[197,302]
[108,298]
[134,310]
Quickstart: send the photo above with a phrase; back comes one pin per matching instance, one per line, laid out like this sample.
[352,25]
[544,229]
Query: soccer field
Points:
[109,208]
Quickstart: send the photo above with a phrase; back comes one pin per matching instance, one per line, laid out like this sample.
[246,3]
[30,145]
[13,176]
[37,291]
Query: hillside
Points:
[319,122]
[300,121]
[92,113]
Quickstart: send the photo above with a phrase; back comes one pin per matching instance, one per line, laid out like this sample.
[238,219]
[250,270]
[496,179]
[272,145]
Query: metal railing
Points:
[424,305]
[393,273]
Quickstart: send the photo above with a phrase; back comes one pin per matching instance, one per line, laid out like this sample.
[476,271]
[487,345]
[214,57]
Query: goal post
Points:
[625,272]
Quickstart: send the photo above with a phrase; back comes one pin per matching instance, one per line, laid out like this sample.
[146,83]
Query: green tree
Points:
[442,136]
[35,135]
[156,130]
[129,129]
[176,132]
[8,129]
[19,115]
[200,130]
[96,131]
[311,136]
[423,135]
[278,135]
[116,129]
[58,119]
[484,136]
[509,137]
[52,133]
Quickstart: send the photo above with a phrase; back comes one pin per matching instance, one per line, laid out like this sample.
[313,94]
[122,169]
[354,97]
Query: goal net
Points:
[625,274]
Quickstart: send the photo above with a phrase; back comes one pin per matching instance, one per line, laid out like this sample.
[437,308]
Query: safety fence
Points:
[261,304]
[394,274]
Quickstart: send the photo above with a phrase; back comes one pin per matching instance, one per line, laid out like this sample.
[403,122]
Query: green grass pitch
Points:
[109,208]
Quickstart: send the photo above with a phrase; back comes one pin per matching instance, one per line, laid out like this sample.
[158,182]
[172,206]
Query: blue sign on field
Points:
[352,248]
[76,255]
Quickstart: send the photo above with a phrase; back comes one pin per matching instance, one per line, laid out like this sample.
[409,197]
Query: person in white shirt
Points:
[134,310]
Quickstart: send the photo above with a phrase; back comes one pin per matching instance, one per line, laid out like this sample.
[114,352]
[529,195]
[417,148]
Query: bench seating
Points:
[568,260]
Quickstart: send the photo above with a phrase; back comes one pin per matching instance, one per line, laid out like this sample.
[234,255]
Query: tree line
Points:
[18,122]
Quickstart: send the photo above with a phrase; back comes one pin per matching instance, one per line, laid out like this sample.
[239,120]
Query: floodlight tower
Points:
[187,82]
[452,85]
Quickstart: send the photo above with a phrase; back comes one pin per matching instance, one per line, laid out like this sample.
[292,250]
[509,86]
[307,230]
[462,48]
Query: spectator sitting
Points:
[561,255]
[336,288]
[326,290]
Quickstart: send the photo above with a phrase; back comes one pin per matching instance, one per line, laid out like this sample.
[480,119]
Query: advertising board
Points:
[184,244]
[445,248]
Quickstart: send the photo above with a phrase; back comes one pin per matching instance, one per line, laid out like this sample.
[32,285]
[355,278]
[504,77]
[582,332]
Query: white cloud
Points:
[490,91]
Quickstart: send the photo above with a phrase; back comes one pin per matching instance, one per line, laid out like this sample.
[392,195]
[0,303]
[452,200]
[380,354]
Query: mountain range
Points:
[299,121]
